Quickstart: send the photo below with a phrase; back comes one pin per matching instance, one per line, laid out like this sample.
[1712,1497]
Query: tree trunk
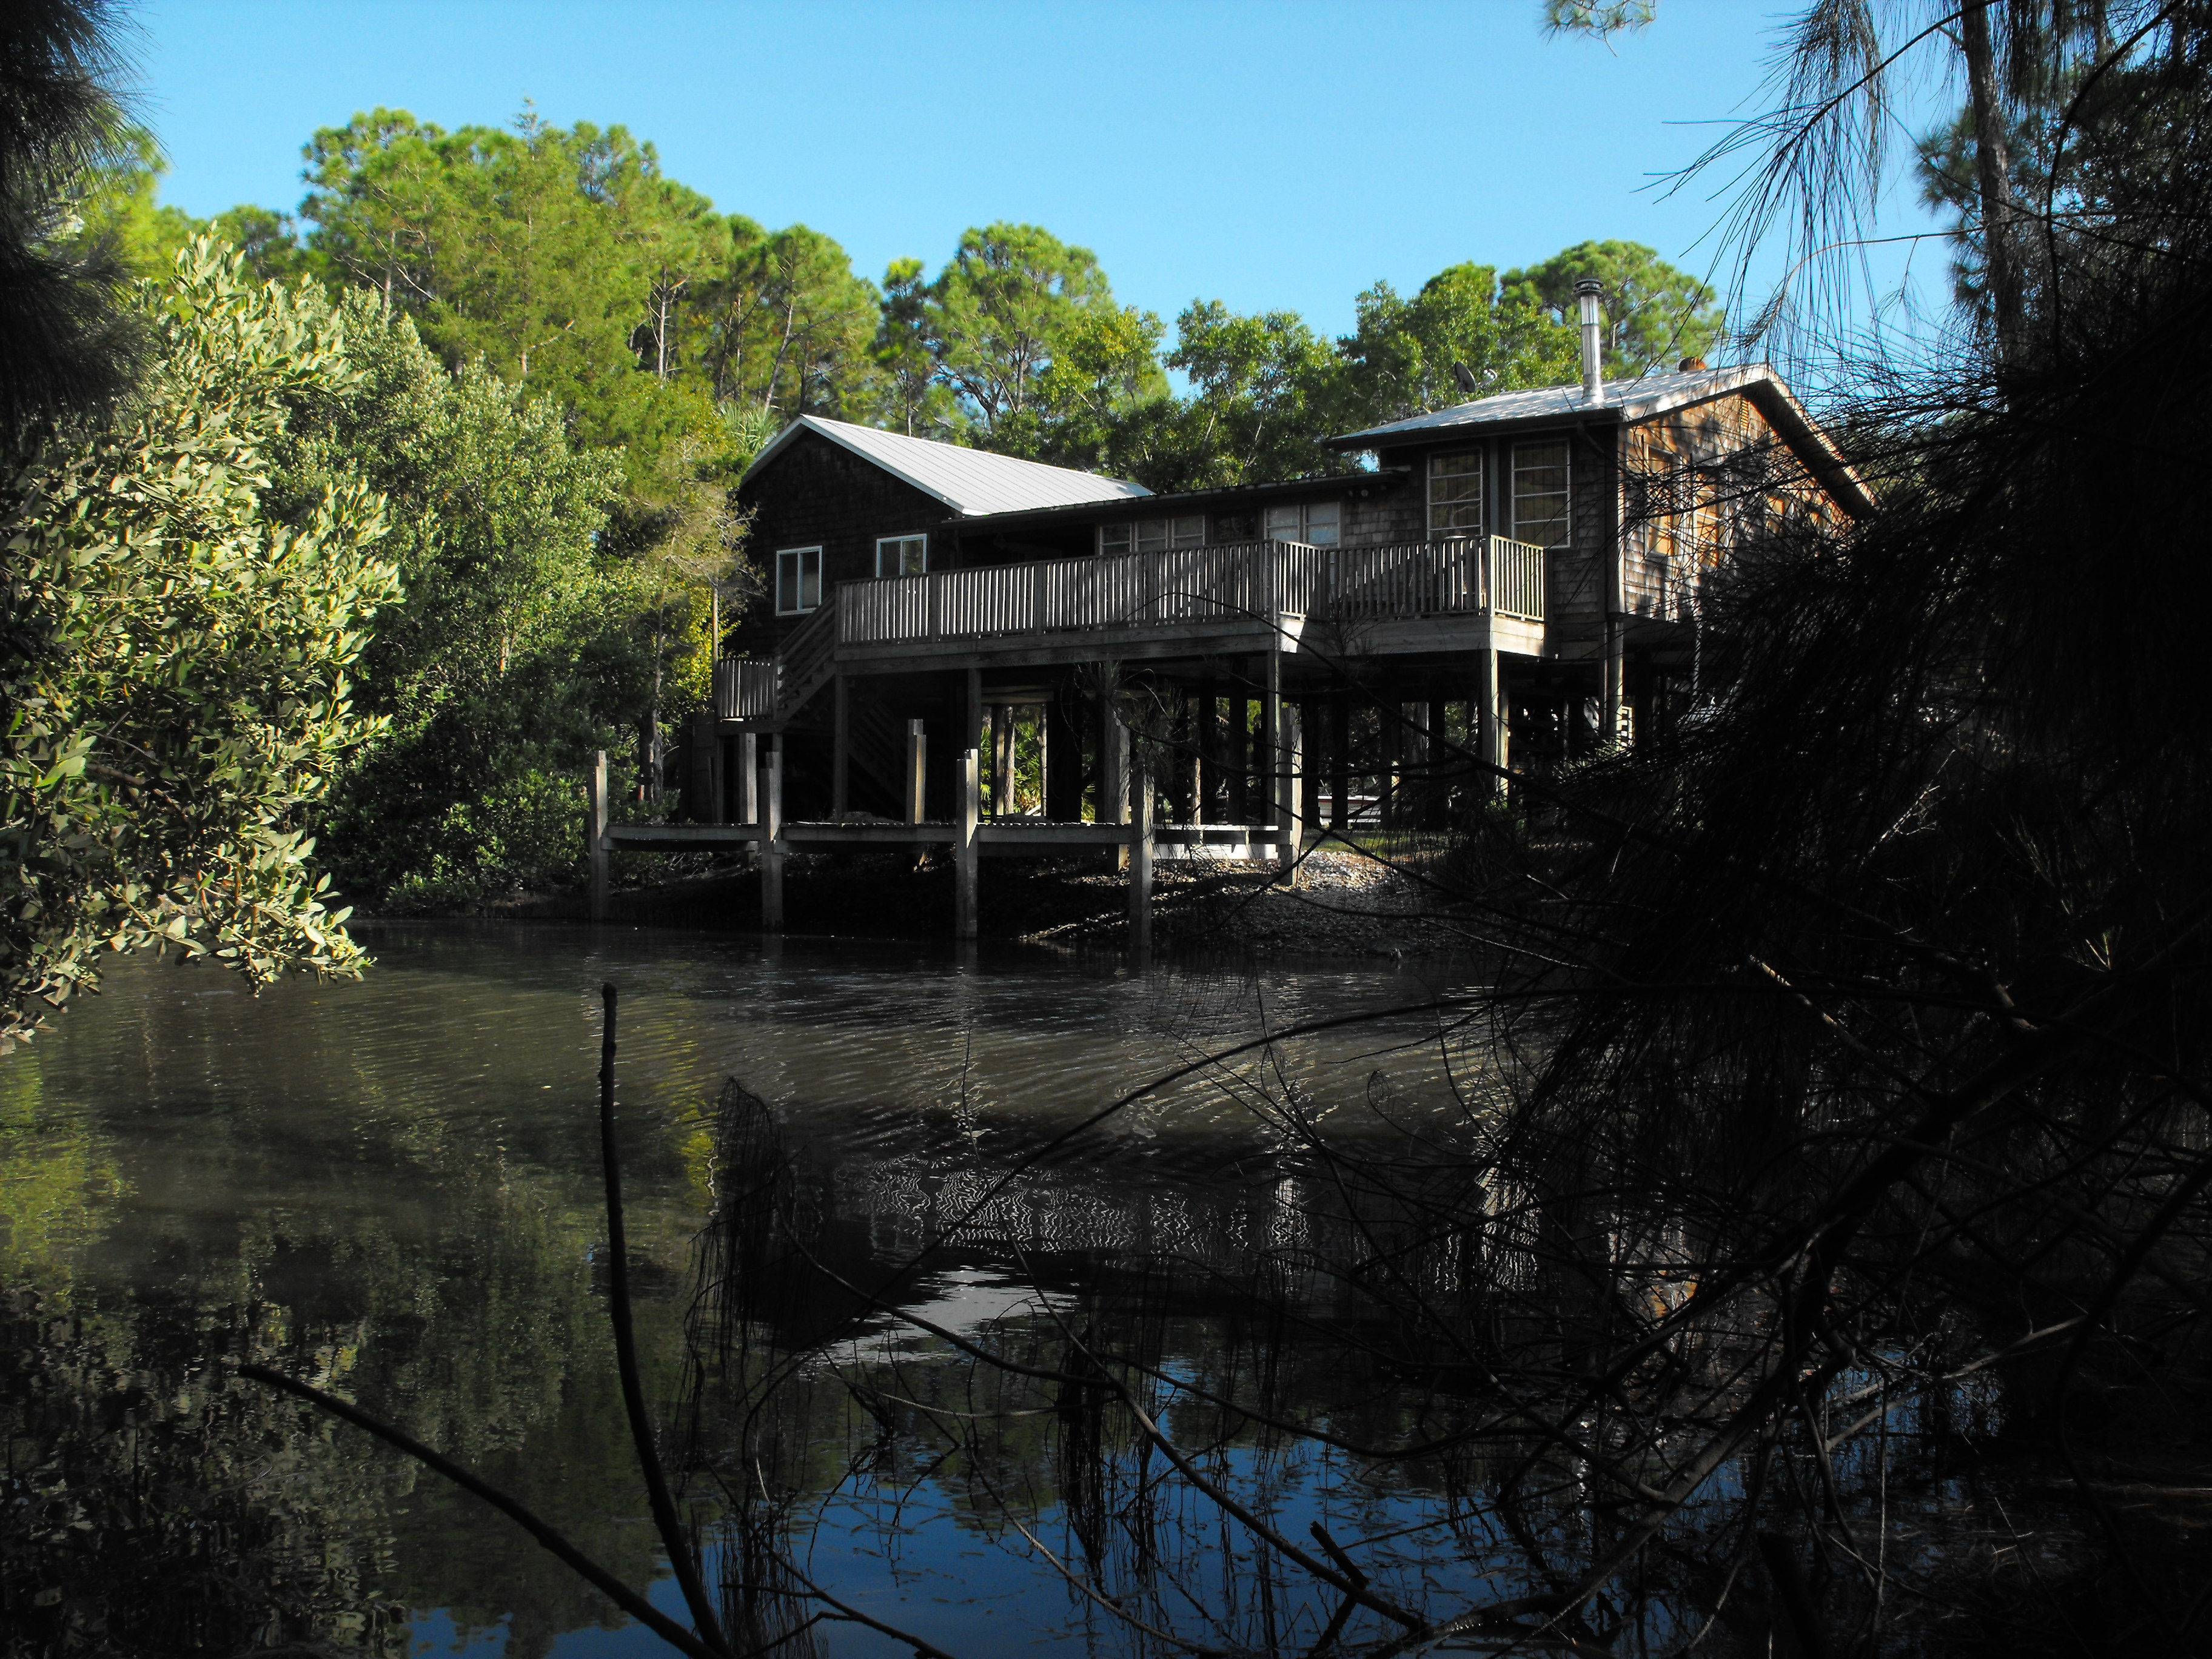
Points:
[1993,168]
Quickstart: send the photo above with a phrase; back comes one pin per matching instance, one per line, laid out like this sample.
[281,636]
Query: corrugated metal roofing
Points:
[1632,400]
[969,480]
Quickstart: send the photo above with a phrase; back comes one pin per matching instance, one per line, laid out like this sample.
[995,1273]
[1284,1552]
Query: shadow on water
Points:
[1295,1351]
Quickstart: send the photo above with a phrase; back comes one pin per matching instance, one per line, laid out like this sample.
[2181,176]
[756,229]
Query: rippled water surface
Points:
[391,1188]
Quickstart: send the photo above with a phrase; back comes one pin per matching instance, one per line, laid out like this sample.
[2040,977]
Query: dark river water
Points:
[391,1188]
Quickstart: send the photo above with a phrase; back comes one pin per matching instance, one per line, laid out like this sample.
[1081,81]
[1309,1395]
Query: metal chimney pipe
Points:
[1586,295]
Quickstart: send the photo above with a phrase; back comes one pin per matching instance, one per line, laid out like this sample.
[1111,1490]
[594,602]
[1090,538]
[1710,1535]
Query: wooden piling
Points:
[1002,760]
[1611,688]
[1140,854]
[917,771]
[771,842]
[1392,782]
[595,833]
[1114,779]
[967,809]
[1290,817]
[1310,768]
[1339,760]
[1237,761]
[1209,754]
[748,805]
[1490,725]
[1436,810]
[1267,756]
[1182,762]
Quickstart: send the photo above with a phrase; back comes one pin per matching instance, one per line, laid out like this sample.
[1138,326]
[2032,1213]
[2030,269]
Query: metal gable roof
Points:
[969,480]
[1636,400]
[1630,400]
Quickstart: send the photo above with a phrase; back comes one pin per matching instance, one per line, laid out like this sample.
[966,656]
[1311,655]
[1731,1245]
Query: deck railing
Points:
[1263,582]
[1259,582]
[745,689]
[755,688]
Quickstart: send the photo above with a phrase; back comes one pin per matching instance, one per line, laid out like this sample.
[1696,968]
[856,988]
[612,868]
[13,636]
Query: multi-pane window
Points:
[797,580]
[901,555]
[1152,535]
[1539,493]
[1317,523]
[1455,493]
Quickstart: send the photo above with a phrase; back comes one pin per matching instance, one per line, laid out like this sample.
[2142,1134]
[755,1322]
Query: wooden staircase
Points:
[773,691]
[804,663]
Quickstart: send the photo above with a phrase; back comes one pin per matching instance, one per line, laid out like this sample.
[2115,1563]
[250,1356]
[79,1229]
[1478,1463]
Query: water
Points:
[391,1188]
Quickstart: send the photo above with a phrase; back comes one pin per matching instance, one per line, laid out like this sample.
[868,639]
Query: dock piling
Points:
[748,780]
[1140,855]
[1114,779]
[967,808]
[771,842]
[1290,816]
[595,833]
[917,771]
[1490,724]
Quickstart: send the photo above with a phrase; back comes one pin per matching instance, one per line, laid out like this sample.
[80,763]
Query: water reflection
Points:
[390,1189]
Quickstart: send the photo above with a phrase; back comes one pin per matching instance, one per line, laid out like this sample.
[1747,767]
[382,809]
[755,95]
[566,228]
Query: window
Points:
[901,555]
[1314,523]
[1152,535]
[797,580]
[1455,493]
[1539,494]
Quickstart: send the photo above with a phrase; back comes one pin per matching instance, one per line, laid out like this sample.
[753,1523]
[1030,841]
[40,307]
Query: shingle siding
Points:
[816,493]
[1394,512]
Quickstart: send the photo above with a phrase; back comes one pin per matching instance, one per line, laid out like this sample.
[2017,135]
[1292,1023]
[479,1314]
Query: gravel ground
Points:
[1340,904]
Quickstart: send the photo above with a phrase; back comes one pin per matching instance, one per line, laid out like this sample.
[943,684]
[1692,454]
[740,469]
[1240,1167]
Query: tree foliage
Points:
[1655,315]
[784,327]
[1400,357]
[1025,333]
[511,655]
[67,342]
[176,658]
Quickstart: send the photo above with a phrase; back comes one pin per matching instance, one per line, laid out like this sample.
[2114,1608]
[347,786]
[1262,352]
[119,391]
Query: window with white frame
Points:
[797,580]
[1455,493]
[901,555]
[1152,535]
[1317,523]
[1539,493]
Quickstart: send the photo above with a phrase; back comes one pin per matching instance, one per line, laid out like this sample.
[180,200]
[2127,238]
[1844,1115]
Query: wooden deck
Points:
[969,837]
[1036,836]
[1198,601]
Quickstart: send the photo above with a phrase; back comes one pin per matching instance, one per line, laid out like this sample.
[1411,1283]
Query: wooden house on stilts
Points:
[950,641]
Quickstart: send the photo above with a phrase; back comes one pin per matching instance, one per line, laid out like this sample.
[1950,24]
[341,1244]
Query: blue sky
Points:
[1271,156]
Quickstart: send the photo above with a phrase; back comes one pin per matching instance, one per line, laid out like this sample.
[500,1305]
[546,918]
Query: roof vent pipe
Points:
[1586,295]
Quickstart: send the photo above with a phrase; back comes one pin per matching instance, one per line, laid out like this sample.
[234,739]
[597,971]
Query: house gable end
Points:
[815,493]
